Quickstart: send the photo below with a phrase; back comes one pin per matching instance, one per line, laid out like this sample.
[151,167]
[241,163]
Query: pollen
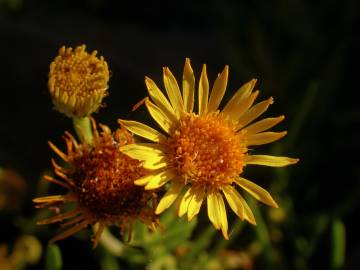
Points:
[207,151]
[78,81]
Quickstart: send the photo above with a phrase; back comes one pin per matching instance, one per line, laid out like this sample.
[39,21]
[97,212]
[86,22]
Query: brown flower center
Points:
[206,150]
[104,179]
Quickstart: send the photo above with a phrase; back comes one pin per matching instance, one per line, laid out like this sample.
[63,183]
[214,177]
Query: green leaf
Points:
[108,261]
[338,234]
[173,236]
[53,258]
[198,246]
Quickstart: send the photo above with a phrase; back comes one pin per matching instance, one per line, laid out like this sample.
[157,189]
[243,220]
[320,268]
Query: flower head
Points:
[100,180]
[78,81]
[204,152]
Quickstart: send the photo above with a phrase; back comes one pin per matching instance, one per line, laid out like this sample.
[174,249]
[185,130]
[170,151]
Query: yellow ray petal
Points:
[235,203]
[217,212]
[264,137]
[212,208]
[52,198]
[256,191]
[254,112]
[155,176]
[170,196]
[155,164]
[239,109]
[58,151]
[195,203]
[184,203]
[60,217]
[72,230]
[248,214]
[188,86]
[272,161]
[159,116]
[142,151]
[173,91]
[203,91]
[264,124]
[159,98]
[222,215]
[244,92]
[143,131]
[161,179]
[218,90]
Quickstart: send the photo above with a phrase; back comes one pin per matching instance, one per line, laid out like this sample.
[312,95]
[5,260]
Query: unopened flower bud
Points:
[78,81]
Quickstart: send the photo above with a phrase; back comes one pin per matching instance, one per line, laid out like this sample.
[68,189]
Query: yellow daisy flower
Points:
[100,181]
[204,152]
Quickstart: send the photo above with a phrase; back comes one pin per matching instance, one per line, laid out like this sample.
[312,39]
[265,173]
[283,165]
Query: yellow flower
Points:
[78,81]
[205,152]
[100,180]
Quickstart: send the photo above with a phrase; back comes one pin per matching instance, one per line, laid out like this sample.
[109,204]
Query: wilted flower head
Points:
[204,152]
[100,180]
[78,81]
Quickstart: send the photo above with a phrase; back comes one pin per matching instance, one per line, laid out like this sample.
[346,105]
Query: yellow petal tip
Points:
[252,222]
[158,211]
[139,182]
[274,204]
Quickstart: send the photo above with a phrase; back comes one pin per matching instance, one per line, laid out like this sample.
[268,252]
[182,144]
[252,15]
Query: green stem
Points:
[111,243]
[82,128]
[338,235]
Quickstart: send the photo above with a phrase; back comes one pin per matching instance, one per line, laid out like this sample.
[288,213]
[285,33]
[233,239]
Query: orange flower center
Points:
[207,151]
[104,179]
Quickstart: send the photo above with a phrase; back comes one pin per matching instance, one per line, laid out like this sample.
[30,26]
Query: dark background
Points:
[302,52]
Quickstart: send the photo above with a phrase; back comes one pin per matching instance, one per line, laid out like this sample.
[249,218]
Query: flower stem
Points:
[82,128]
[110,242]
